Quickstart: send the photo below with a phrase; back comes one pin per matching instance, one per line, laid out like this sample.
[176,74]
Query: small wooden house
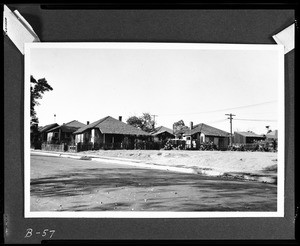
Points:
[38,135]
[43,131]
[162,134]
[109,133]
[247,137]
[202,133]
[63,133]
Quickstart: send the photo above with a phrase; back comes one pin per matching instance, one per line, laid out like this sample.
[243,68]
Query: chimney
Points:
[191,125]
[87,122]
[120,118]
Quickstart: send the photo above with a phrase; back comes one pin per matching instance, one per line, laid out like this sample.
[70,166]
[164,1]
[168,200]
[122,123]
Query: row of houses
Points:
[110,133]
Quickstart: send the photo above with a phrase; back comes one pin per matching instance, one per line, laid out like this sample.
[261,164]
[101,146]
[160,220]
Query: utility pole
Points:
[230,118]
[54,118]
[154,119]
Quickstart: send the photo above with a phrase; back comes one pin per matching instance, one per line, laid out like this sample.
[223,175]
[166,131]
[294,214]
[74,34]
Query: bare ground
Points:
[63,184]
[261,166]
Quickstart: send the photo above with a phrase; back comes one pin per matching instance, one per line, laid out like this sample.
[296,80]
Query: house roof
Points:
[47,127]
[160,130]
[272,134]
[249,134]
[110,125]
[68,127]
[207,130]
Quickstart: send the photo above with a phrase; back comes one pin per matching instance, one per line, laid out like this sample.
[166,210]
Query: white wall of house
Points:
[202,137]
[187,140]
[93,136]
[49,136]
[78,138]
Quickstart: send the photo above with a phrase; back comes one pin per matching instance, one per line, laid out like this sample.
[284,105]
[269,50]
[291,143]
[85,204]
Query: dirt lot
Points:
[63,184]
[261,166]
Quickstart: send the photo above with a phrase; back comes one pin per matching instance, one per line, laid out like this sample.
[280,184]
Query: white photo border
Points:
[163,214]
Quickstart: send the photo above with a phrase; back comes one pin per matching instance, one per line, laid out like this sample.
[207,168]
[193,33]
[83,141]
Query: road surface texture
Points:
[62,184]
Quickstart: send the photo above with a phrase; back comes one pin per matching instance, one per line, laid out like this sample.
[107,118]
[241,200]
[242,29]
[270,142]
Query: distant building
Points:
[247,137]
[202,133]
[162,134]
[109,133]
[273,135]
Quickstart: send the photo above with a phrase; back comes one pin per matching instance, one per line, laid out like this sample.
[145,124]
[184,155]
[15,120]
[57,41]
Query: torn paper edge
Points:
[25,23]
[18,29]
[286,38]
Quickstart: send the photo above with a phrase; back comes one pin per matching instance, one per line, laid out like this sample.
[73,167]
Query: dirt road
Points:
[61,184]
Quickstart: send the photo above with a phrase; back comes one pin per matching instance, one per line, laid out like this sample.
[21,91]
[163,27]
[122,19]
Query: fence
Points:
[72,148]
[144,145]
[54,147]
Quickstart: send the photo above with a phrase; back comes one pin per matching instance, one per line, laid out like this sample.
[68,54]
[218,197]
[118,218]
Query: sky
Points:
[174,84]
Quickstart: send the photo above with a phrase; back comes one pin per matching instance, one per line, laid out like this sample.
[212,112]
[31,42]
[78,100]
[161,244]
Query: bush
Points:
[168,146]
[176,144]
[208,146]
[237,147]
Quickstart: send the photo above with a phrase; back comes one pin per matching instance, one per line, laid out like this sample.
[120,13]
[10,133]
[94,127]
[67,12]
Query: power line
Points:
[225,109]
[256,120]
[217,121]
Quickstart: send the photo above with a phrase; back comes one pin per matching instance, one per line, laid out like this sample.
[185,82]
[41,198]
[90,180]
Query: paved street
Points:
[62,184]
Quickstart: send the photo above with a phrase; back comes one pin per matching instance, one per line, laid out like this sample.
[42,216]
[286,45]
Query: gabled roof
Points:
[207,130]
[249,134]
[160,130]
[68,127]
[272,134]
[47,127]
[110,125]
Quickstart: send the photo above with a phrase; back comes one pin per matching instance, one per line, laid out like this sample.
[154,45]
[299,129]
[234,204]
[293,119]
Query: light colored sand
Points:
[219,161]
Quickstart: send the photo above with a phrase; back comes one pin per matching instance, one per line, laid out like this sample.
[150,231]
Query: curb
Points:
[136,163]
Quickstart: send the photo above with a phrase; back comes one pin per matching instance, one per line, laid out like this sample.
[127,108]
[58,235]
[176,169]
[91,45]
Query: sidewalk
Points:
[137,163]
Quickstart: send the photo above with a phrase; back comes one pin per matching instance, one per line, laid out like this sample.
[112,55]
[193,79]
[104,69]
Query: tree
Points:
[135,121]
[148,122]
[179,128]
[144,122]
[37,89]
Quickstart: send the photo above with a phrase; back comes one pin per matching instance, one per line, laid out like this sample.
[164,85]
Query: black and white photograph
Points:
[153,130]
